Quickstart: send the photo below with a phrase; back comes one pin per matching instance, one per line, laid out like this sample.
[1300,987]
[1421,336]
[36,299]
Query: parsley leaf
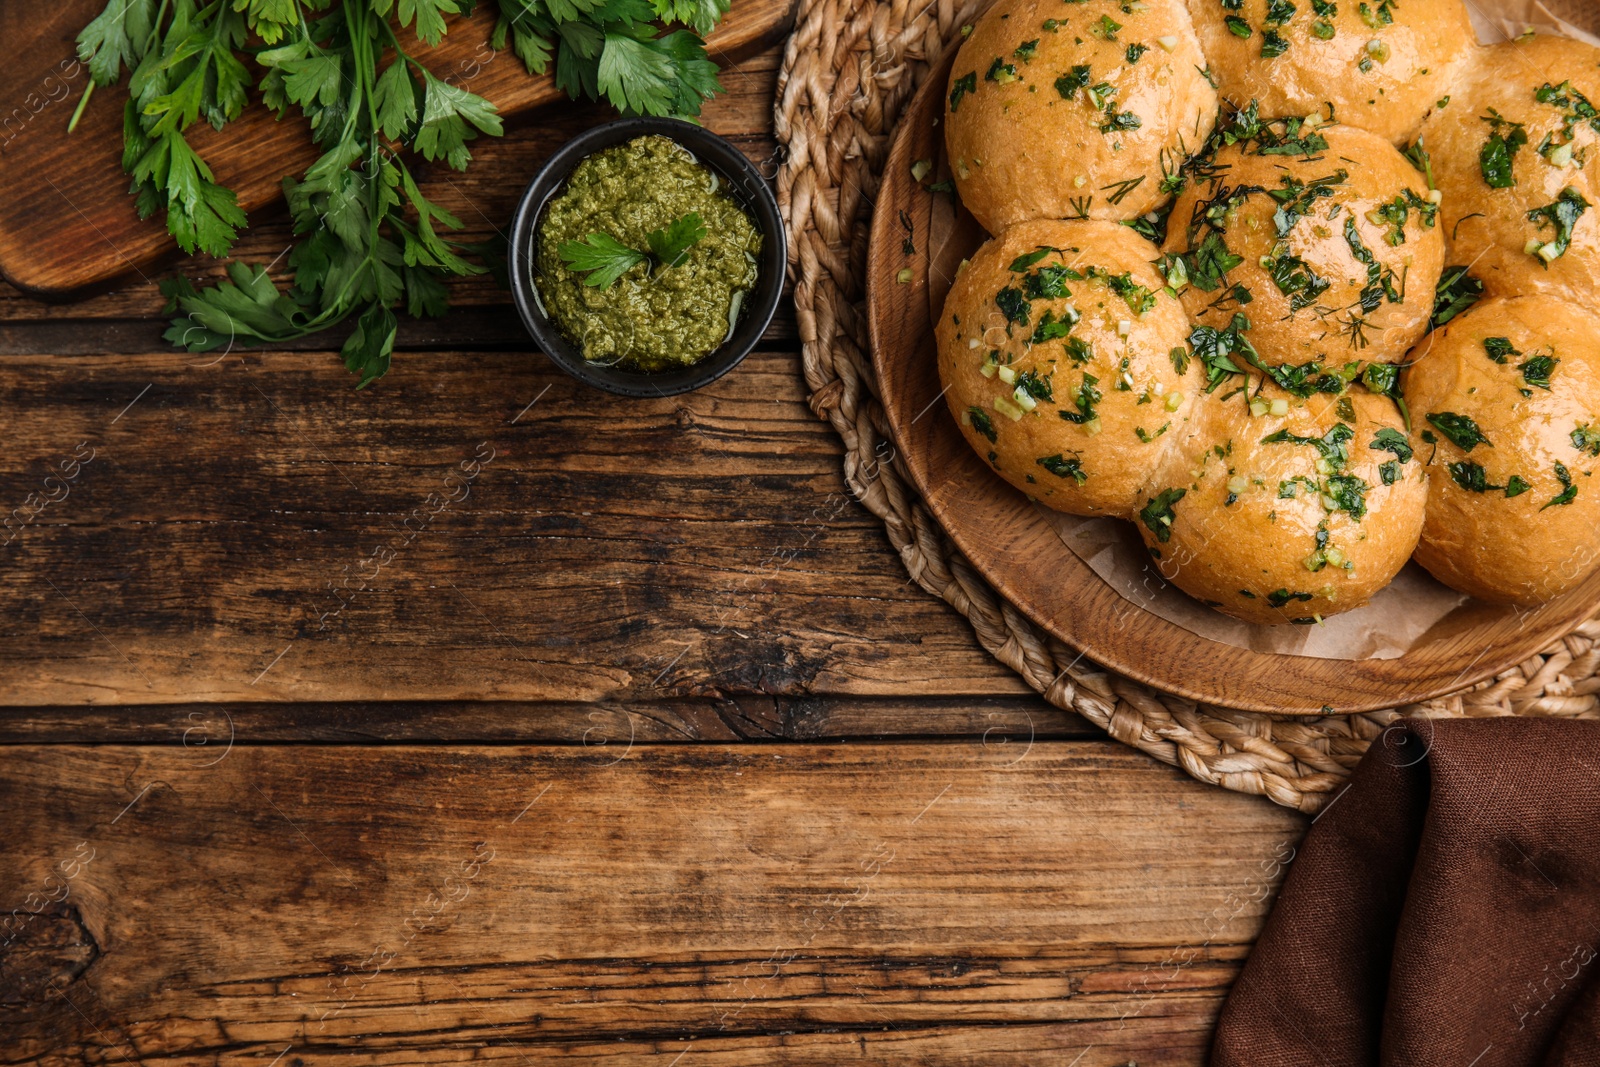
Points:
[1460,429]
[671,244]
[603,257]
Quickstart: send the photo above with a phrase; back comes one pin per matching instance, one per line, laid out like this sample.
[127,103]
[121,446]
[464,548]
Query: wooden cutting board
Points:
[68,223]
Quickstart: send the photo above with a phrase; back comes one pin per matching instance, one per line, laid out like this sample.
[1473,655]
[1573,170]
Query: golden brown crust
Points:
[1021,150]
[1107,396]
[1489,227]
[1274,531]
[1382,65]
[1335,309]
[1512,541]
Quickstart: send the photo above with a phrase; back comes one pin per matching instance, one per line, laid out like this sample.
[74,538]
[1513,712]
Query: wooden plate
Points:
[1011,544]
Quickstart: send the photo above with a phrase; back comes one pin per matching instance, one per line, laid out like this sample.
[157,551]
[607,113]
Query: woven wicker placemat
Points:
[849,69]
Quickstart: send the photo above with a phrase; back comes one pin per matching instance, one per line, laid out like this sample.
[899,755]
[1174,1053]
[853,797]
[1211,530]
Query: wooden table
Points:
[634,746]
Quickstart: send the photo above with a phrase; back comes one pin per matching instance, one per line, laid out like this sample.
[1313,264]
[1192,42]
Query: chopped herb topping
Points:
[1079,350]
[1586,439]
[1069,83]
[1282,596]
[1157,514]
[1380,279]
[1563,214]
[1398,211]
[1050,329]
[1333,446]
[1577,105]
[1471,477]
[1086,398]
[1273,44]
[1377,18]
[1515,486]
[1536,371]
[1050,282]
[1461,430]
[1348,494]
[1294,278]
[967,83]
[1106,29]
[1026,49]
[1498,153]
[1063,467]
[1499,349]
[1567,495]
[1298,199]
[1238,27]
[1013,305]
[1135,51]
[981,422]
[1457,291]
[1140,300]
[1001,72]
[1392,440]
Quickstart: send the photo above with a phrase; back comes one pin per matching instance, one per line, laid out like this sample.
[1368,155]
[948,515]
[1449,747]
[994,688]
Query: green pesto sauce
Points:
[653,318]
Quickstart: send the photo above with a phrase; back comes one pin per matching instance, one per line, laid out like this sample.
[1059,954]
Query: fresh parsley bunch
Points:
[369,239]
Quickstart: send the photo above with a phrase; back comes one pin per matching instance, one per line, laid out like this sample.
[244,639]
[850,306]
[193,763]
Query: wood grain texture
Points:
[914,903]
[250,528]
[1012,545]
[76,226]
[733,717]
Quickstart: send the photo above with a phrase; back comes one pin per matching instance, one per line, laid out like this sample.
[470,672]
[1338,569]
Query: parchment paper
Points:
[1410,606]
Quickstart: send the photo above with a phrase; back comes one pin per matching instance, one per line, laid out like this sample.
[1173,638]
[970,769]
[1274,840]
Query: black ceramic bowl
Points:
[741,180]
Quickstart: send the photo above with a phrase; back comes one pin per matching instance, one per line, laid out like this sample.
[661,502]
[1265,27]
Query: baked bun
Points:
[1506,202]
[1055,348]
[1333,250]
[1381,64]
[1510,393]
[1074,110]
[1287,517]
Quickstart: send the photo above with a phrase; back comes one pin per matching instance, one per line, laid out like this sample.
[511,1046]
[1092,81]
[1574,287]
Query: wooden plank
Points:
[996,721]
[911,903]
[79,228]
[251,528]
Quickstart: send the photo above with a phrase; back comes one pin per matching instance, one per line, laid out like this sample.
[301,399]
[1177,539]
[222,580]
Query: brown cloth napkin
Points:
[1444,910]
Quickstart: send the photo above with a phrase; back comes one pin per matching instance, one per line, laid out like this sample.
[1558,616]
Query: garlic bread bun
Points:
[1509,392]
[1055,348]
[1074,110]
[1516,155]
[1381,63]
[1286,517]
[1332,251]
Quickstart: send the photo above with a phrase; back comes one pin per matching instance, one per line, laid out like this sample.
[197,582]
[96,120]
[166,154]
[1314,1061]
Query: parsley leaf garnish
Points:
[671,244]
[602,257]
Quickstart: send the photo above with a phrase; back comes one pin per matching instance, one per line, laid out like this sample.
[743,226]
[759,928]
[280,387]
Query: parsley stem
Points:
[77,112]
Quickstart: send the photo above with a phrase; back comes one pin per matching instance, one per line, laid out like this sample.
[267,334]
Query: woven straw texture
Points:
[849,69]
